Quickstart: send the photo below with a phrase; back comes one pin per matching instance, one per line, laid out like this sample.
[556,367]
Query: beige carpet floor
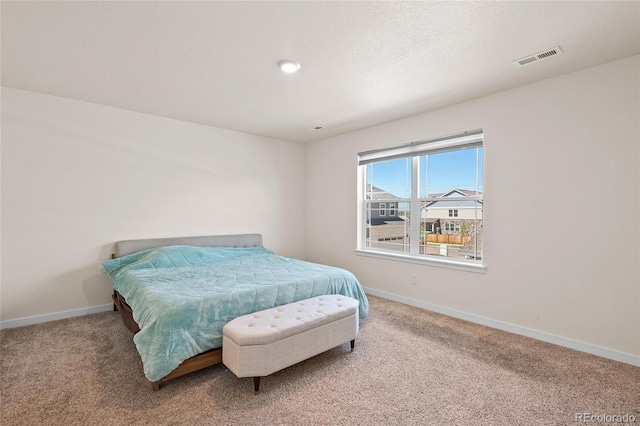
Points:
[410,367]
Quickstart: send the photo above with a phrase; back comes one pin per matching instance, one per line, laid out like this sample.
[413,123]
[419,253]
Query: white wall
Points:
[76,177]
[562,201]
[561,208]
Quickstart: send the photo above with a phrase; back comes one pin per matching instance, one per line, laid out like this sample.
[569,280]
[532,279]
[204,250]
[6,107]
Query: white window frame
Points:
[452,227]
[414,150]
[382,209]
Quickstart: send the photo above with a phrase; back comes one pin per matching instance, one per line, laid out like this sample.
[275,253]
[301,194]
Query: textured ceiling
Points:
[363,63]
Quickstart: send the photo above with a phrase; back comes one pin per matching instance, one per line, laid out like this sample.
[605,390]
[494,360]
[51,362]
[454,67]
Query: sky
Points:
[444,171]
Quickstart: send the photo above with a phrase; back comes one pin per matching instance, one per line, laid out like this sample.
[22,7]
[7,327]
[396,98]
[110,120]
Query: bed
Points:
[176,294]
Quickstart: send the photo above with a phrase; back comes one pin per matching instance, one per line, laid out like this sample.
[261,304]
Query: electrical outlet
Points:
[413,280]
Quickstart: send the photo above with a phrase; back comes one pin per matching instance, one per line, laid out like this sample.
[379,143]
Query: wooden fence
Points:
[447,239]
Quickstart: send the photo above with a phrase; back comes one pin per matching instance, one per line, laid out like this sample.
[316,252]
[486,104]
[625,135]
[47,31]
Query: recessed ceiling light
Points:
[288,66]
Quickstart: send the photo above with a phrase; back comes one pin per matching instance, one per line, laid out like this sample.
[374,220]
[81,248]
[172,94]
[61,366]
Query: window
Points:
[452,227]
[425,185]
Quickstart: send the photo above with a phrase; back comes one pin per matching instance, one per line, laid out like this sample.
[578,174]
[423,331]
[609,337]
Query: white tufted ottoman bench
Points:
[264,342]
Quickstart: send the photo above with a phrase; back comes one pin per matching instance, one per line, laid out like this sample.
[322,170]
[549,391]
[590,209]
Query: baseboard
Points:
[55,316]
[500,325]
[512,328]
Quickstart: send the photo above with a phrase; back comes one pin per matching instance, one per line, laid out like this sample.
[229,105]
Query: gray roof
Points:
[454,204]
[376,193]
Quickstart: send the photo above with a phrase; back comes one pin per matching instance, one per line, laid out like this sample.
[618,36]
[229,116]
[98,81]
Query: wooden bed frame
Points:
[123,248]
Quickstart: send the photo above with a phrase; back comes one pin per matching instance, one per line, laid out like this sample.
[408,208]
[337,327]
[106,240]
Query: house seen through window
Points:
[424,200]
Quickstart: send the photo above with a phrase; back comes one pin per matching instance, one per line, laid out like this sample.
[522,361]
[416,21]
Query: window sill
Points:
[469,266]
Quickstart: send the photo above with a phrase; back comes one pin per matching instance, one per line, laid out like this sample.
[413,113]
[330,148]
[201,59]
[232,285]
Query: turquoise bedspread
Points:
[182,296]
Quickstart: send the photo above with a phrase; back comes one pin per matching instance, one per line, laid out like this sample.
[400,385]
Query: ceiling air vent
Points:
[537,56]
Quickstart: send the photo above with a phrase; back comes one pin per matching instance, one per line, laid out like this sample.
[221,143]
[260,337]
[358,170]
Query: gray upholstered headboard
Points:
[124,248]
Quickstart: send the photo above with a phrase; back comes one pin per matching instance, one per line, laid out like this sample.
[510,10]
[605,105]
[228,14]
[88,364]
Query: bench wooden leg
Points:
[256,385]
[353,344]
